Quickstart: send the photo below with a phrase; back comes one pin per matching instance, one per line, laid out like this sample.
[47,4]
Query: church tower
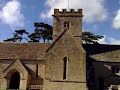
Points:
[71,19]
[65,57]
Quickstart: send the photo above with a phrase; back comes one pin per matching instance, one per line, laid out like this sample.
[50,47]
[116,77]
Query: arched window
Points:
[36,70]
[65,60]
[66,25]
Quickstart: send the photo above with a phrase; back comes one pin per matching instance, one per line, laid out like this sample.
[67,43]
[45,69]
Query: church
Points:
[64,64]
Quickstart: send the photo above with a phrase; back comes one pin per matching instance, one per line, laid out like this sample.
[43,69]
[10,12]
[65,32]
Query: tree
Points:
[44,32]
[17,36]
[90,38]
[35,36]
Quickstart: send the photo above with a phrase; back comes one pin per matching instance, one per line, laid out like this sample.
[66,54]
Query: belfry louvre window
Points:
[65,61]
[66,25]
[115,69]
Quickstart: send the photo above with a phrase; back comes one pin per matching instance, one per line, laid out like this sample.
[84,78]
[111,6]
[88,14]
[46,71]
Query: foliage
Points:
[90,38]
[17,36]
[44,32]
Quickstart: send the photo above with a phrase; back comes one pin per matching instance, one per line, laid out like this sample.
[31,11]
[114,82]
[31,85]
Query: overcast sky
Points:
[100,16]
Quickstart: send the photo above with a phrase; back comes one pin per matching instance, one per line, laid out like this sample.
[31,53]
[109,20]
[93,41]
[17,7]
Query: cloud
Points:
[11,14]
[109,40]
[114,41]
[93,10]
[116,21]
[103,40]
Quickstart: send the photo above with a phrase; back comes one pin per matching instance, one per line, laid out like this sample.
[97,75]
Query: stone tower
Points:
[65,57]
[72,18]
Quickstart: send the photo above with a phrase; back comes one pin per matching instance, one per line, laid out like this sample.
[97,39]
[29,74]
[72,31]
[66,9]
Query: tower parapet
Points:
[71,19]
[65,12]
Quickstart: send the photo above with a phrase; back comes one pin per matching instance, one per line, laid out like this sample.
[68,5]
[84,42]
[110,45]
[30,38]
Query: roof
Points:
[103,52]
[56,40]
[32,50]
[36,51]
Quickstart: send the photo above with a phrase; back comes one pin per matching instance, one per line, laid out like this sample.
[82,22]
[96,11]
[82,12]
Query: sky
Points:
[101,17]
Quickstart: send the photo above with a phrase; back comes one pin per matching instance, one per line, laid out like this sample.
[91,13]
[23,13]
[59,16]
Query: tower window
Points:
[66,25]
[65,60]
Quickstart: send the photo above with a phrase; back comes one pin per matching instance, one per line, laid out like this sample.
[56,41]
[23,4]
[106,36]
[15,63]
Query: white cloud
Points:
[93,10]
[109,40]
[114,41]
[11,15]
[116,21]
[103,40]
[43,15]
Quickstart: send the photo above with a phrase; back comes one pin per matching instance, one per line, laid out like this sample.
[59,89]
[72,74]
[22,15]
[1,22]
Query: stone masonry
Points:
[60,65]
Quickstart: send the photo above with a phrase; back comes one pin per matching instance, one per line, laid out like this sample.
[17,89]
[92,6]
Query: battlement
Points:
[65,12]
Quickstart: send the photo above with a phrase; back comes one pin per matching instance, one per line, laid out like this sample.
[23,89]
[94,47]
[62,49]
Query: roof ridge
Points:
[56,40]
